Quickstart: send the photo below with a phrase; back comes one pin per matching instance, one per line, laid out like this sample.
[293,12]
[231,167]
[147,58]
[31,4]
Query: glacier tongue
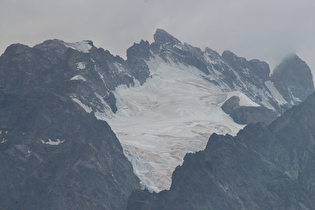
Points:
[174,112]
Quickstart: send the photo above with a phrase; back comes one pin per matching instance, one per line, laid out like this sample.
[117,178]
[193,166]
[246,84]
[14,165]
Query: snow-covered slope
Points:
[174,112]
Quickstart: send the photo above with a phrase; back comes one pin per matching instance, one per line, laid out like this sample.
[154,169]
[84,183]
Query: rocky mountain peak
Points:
[293,77]
[291,65]
[162,36]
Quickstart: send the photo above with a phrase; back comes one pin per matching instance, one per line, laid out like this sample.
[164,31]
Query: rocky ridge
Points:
[53,154]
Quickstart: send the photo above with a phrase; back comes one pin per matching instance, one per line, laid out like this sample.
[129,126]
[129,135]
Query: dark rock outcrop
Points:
[231,104]
[247,114]
[137,56]
[261,168]
[163,37]
[255,67]
[53,154]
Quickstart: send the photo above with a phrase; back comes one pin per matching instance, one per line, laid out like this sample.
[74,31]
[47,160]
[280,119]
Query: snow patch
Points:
[179,46]
[295,99]
[82,46]
[4,132]
[136,82]
[275,93]
[244,100]
[85,107]
[97,70]
[207,57]
[107,111]
[81,65]
[51,142]
[78,77]
[119,67]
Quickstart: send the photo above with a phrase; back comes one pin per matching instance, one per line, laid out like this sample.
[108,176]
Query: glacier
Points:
[173,113]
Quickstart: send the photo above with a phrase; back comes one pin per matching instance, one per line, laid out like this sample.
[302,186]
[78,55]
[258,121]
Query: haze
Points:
[265,29]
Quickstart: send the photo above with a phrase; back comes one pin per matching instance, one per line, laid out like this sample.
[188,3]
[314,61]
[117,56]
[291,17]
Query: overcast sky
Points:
[263,29]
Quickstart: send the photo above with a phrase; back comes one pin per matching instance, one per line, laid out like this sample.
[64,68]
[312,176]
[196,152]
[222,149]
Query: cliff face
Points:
[261,168]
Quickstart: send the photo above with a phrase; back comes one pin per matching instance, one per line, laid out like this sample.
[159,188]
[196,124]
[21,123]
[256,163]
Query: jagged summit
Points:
[161,36]
[293,78]
[257,68]
[291,64]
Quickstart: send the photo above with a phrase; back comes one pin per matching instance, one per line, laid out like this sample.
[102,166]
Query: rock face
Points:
[261,168]
[53,154]
[293,79]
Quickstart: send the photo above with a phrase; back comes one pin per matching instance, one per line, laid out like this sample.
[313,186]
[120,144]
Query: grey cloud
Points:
[265,29]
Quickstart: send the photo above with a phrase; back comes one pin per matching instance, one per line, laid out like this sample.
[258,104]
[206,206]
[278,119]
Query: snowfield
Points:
[174,112]
[275,93]
[78,77]
[82,46]
[52,142]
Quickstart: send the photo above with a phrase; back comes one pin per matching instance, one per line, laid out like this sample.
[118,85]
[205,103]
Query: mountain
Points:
[262,167]
[53,154]
[293,78]
[163,101]
[177,108]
